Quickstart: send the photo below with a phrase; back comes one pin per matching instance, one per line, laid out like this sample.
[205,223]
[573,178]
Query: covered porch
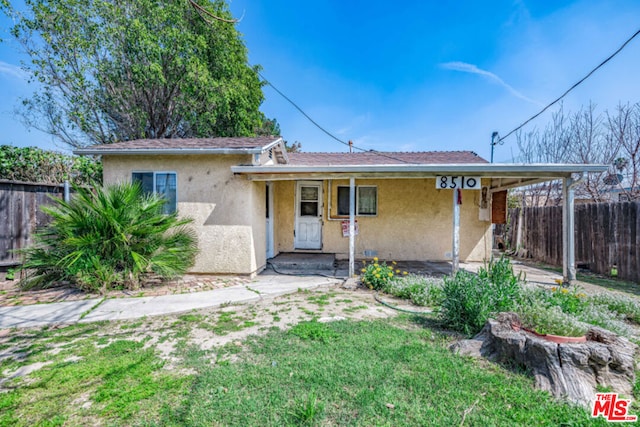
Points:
[420,213]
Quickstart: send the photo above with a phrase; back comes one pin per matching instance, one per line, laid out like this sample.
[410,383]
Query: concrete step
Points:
[303,261]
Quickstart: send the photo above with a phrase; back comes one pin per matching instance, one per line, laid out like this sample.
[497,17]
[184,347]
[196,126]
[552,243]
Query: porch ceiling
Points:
[503,176]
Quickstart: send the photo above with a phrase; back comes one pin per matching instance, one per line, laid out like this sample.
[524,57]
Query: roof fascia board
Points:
[483,169]
[176,151]
[521,183]
[169,152]
[271,145]
[397,175]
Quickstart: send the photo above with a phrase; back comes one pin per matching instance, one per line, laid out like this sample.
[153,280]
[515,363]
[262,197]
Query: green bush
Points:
[33,164]
[421,290]
[470,299]
[109,238]
[505,287]
[467,303]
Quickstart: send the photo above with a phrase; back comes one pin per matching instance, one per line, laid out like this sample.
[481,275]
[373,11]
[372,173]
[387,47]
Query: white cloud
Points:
[472,69]
[11,70]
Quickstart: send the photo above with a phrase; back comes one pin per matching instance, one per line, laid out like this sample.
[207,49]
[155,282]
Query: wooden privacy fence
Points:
[607,235]
[20,215]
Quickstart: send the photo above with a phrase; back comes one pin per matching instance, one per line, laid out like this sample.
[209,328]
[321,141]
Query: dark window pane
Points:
[266,193]
[343,200]
[309,209]
[145,179]
[166,187]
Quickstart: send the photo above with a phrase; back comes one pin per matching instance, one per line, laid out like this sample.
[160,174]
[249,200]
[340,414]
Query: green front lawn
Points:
[395,371]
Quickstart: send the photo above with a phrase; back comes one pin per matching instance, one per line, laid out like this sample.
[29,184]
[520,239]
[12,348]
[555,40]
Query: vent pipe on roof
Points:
[495,139]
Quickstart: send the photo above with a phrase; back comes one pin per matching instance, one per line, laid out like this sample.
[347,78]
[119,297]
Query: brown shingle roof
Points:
[384,158]
[242,143]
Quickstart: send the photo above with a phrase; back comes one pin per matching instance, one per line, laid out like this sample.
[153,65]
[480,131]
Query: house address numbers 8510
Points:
[456,181]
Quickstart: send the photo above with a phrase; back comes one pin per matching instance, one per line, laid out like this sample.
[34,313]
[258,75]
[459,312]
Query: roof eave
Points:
[88,151]
[271,145]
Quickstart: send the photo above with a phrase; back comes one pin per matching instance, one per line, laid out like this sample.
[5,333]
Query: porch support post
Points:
[455,250]
[352,226]
[568,234]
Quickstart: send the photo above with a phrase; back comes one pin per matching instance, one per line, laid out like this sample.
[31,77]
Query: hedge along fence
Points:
[20,215]
[607,235]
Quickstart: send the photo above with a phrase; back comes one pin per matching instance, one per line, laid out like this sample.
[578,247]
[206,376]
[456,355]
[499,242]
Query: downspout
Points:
[568,229]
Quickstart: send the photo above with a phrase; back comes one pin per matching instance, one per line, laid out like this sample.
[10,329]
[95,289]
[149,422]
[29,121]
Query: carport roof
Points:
[503,175]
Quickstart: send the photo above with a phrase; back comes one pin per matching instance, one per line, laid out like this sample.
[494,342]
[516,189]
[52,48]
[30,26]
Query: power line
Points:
[571,88]
[202,11]
[316,124]
[302,111]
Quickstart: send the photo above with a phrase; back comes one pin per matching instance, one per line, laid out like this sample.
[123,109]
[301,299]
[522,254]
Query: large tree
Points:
[116,70]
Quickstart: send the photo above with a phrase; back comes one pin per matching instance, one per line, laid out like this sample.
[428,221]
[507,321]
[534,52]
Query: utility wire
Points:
[326,131]
[571,88]
[302,111]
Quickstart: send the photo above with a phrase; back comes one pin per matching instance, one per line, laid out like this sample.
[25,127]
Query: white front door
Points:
[308,232]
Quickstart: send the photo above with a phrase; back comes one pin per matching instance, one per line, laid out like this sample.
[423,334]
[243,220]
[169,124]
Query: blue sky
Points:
[419,75]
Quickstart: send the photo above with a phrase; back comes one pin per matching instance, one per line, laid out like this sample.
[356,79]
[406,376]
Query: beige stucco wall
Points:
[414,222]
[228,210]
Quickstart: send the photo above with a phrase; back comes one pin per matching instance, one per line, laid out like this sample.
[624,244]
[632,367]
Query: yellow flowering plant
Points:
[571,301]
[375,274]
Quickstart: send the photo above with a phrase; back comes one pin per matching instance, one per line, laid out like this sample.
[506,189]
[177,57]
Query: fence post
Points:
[67,197]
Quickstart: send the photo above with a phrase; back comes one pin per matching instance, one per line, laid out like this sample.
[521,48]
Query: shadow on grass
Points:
[610,283]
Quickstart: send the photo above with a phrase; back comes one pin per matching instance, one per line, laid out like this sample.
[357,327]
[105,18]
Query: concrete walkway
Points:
[93,310]
[268,284]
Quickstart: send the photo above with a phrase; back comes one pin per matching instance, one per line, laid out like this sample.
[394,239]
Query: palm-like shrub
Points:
[111,238]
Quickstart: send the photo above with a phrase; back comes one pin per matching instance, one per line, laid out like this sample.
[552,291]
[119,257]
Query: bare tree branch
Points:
[204,12]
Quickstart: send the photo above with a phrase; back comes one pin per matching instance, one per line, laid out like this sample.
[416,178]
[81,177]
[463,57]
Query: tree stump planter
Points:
[568,370]
[558,339]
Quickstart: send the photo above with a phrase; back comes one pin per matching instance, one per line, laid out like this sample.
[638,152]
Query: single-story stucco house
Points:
[251,200]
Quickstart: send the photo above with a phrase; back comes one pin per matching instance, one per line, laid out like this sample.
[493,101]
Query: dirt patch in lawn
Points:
[220,332]
[208,329]
[11,294]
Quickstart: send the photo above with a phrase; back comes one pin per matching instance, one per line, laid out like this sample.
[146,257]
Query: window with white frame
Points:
[161,183]
[366,200]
